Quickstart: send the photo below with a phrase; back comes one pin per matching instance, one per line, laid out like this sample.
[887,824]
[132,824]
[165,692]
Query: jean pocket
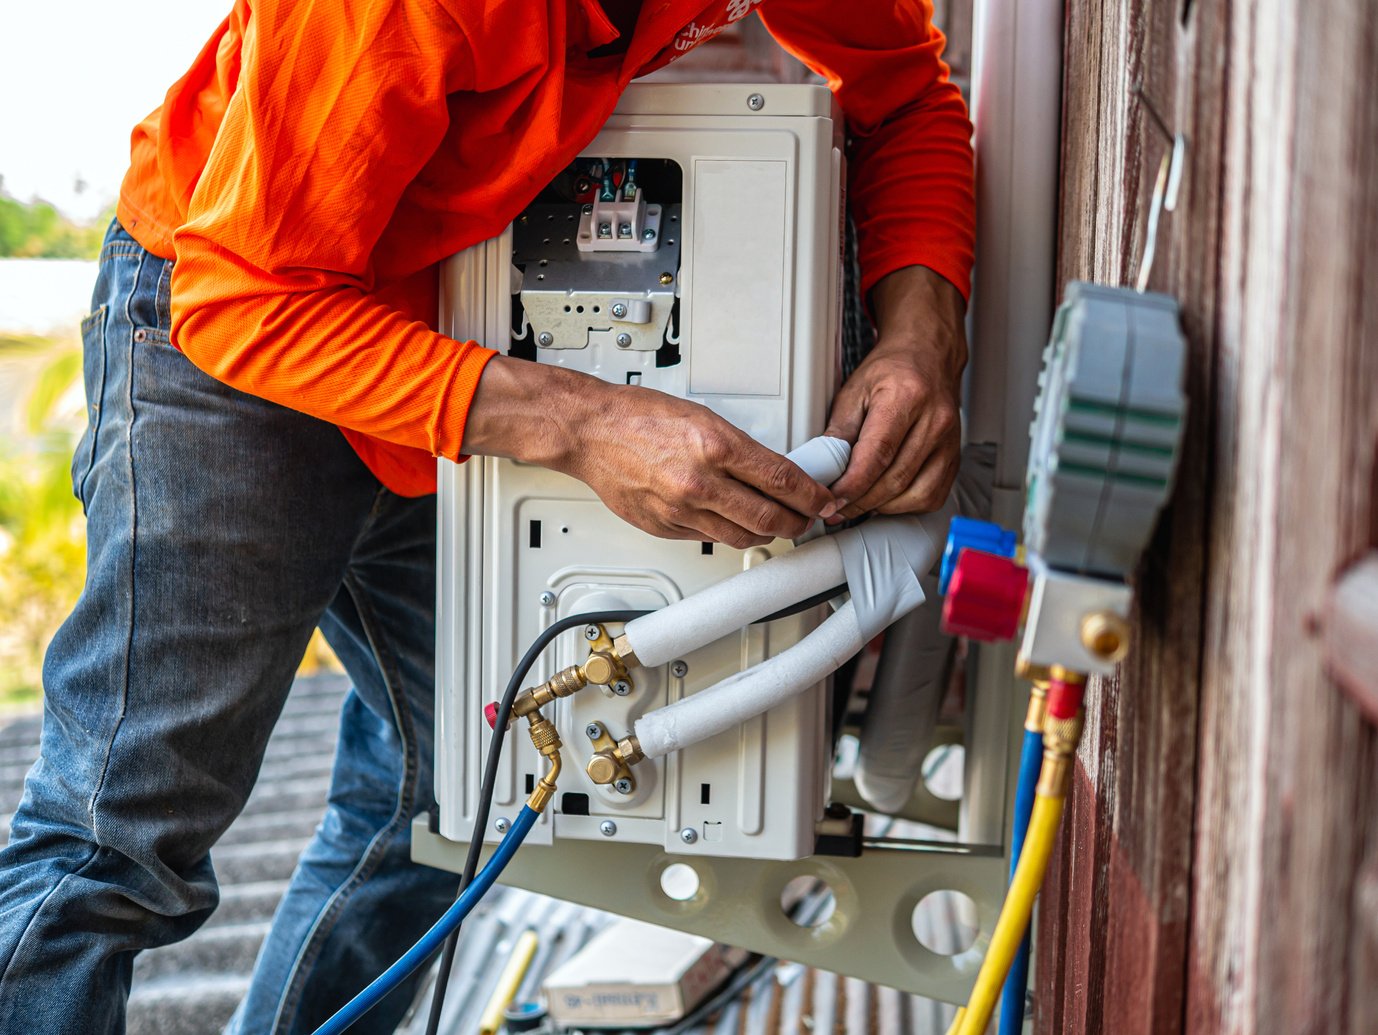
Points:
[93,377]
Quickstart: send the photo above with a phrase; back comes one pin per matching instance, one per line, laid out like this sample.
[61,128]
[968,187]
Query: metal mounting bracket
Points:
[869,935]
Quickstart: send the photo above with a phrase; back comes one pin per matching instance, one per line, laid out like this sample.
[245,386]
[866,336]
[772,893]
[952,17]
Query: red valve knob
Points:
[985,598]
[490,713]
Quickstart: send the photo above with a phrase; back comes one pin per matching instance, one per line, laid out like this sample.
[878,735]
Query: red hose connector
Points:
[985,597]
[1065,692]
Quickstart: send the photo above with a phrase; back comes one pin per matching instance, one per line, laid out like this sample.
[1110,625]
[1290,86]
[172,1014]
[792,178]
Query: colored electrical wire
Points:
[1030,759]
[1014,915]
[419,953]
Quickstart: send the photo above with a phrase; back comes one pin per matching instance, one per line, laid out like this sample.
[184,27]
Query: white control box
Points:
[692,248]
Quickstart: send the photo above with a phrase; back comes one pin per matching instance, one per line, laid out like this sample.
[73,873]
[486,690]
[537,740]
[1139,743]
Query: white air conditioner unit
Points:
[693,249]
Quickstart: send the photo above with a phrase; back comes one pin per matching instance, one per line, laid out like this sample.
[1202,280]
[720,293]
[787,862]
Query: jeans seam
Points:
[372,855]
[133,557]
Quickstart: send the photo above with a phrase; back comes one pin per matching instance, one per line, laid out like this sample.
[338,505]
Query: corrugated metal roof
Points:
[191,988]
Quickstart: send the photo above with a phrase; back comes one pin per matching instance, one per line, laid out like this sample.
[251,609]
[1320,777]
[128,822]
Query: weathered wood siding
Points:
[1220,869]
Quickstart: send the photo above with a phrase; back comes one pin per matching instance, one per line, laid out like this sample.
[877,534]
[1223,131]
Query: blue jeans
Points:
[222,529]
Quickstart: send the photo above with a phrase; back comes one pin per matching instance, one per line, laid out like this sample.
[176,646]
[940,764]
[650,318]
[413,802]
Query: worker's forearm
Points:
[917,308]
[530,411]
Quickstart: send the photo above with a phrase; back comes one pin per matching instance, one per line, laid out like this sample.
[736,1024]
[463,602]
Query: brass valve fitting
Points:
[609,763]
[1037,714]
[1060,739]
[1105,635]
[546,739]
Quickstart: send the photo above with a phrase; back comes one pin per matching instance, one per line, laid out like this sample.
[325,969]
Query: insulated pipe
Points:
[746,694]
[685,625]
[886,559]
[902,707]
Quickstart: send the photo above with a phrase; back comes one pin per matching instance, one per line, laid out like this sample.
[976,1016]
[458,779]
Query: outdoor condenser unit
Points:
[693,248]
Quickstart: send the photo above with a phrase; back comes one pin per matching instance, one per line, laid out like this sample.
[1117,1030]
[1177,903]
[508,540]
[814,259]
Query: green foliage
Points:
[36,230]
[42,530]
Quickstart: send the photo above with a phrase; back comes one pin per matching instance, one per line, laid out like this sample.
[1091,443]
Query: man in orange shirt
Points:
[267,397]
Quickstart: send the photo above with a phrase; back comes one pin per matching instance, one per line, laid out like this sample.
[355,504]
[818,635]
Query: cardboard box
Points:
[636,974]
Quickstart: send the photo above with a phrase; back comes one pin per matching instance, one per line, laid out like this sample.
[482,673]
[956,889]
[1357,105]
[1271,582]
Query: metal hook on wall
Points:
[1166,187]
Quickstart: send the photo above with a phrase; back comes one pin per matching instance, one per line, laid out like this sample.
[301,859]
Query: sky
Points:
[75,76]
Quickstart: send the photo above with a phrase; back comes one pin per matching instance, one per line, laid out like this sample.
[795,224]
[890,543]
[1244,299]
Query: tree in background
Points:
[37,230]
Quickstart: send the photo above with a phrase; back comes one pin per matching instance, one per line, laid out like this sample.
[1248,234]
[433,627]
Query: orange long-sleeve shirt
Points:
[318,160]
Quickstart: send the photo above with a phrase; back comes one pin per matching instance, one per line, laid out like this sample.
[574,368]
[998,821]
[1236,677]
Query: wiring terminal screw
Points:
[607,828]
[621,688]
[547,599]
[501,824]
[688,835]
[679,669]
[593,731]
[622,786]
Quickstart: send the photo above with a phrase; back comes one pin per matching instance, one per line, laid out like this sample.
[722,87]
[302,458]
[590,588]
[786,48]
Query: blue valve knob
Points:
[968,533]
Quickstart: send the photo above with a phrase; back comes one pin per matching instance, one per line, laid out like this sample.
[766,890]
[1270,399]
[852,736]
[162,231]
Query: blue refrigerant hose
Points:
[1030,760]
[432,939]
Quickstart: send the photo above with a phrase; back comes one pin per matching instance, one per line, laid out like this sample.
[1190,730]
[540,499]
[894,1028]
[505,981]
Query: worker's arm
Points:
[337,109]
[911,196]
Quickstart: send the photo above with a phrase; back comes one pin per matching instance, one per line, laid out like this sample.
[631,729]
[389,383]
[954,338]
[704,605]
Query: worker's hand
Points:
[668,466]
[900,410]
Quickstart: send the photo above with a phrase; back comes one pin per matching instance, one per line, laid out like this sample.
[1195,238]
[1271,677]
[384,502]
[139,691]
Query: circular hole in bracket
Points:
[807,901]
[944,922]
[679,882]
[943,770]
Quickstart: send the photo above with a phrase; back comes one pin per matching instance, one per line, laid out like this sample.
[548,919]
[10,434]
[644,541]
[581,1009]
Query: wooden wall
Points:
[1219,871]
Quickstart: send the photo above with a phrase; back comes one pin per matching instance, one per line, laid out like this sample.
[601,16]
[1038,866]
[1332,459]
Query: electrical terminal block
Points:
[619,224]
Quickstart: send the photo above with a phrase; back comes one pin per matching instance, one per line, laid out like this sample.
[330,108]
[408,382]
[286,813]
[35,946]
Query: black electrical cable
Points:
[490,771]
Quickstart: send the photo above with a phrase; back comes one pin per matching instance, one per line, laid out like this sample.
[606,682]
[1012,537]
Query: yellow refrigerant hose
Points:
[1014,915]
[1061,732]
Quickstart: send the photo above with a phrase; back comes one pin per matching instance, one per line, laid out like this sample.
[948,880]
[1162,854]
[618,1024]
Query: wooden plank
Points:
[1287,796]
[1115,913]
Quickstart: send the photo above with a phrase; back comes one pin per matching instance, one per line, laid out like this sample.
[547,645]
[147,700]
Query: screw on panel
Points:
[608,828]
[622,688]
[591,632]
[649,234]
[622,786]
[679,669]
[501,824]
[545,338]
[593,731]
[624,340]
[688,835]
[667,278]
[587,210]
[547,599]
[755,102]
[619,309]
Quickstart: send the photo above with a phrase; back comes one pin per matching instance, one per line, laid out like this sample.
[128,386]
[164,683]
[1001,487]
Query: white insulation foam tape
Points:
[823,459]
[738,698]
[733,603]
